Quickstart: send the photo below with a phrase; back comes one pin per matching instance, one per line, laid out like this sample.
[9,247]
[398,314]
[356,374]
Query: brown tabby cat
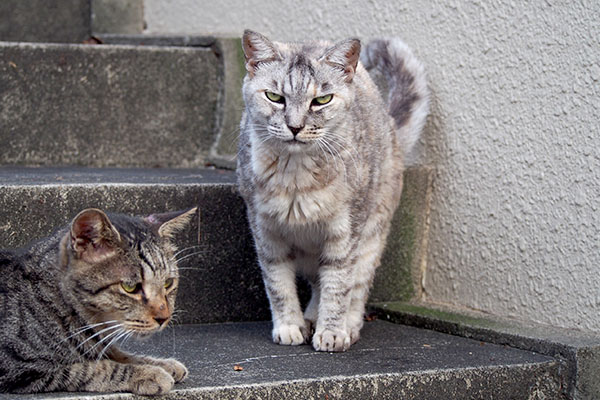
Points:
[67,300]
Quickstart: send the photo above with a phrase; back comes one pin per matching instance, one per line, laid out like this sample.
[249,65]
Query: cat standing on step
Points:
[68,299]
[320,167]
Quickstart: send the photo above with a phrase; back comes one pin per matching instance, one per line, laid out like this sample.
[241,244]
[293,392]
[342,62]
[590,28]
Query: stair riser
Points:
[528,382]
[101,105]
[65,21]
[222,283]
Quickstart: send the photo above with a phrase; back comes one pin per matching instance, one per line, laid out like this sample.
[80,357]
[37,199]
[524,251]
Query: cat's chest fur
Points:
[295,189]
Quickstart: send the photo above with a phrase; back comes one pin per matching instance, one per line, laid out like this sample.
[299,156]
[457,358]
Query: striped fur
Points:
[321,182]
[63,307]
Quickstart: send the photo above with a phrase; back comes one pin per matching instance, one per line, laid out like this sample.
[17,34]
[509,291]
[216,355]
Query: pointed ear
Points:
[93,236]
[167,224]
[344,55]
[258,49]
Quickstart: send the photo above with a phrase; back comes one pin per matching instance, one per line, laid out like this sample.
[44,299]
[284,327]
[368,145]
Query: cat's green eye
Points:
[322,100]
[274,97]
[131,288]
[168,283]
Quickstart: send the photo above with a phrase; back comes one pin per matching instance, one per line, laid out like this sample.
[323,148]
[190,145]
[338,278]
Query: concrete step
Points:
[577,351]
[389,362]
[66,21]
[109,105]
[222,282]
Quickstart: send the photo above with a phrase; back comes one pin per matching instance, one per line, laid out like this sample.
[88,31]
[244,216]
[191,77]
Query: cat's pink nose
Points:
[160,312]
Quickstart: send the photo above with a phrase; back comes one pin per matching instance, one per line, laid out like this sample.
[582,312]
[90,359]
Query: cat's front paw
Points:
[354,334]
[331,340]
[177,370]
[290,334]
[151,380]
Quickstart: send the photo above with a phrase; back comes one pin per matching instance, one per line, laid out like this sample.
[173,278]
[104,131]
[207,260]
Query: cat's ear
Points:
[258,49]
[167,224]
[343,55]
[93,237]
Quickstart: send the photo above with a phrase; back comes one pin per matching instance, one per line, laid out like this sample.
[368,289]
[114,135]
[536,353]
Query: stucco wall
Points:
[515,225]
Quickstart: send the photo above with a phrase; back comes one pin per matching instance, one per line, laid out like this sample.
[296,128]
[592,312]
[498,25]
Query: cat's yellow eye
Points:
[274,97]
[130,288]
[168,283]
[322,100]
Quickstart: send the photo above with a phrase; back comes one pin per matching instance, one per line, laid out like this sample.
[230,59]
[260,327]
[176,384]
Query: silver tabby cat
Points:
[320,165]
[68,299]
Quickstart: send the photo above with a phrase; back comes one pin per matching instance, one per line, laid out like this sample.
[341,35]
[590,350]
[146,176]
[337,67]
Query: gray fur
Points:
[321,182]
[63,309]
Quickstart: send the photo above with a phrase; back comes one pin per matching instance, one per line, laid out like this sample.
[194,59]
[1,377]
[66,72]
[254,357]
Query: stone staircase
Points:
[143,124]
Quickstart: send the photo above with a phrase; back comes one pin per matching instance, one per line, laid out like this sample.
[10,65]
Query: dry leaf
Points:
[370,317]
[92,40]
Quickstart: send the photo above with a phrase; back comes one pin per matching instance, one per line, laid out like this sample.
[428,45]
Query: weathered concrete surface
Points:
[402,266]
[153,40]
[224,281]
[578,351]
[229,112]
[107,105]
[65,21]
[220,277]
[117,16]
[224,151]
[389,362]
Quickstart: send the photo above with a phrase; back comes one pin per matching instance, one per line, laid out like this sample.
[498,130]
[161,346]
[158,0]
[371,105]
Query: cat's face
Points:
[297,95]
[122,273]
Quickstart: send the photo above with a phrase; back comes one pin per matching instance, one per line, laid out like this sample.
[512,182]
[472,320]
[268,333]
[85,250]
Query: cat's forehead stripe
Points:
[300,75]
[145,260]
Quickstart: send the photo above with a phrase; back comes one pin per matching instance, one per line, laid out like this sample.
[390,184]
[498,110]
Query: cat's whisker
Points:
[343,144]
[122,333]
[325,148]
[105,338]
[177,313]
[188,256]
[127,337]
[335,154]
[318,142]
[173,336]
[85,328]
[99,333]
[183,250]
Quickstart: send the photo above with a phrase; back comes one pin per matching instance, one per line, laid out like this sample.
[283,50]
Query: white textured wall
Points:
[514,135]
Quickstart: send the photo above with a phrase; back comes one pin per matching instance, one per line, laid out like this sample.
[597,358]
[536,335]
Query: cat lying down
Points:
[67,300]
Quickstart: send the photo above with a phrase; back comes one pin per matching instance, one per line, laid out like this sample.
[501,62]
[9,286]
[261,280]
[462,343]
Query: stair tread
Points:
[28,176]
[386,352]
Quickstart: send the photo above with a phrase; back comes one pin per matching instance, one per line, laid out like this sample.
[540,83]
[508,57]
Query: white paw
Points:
[331,340]
[354,334]
[354,327]
[290,335]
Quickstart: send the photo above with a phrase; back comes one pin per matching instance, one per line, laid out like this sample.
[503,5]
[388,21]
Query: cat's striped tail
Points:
[408,96]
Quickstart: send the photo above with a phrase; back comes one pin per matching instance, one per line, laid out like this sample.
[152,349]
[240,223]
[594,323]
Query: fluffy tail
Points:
[408,96]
